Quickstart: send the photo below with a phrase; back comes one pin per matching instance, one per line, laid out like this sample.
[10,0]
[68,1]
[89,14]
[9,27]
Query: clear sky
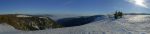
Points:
[73,6]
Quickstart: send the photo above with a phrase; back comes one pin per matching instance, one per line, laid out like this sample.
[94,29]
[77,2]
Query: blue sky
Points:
[72,6]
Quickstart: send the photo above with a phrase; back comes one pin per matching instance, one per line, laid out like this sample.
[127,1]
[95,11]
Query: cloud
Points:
[141,3]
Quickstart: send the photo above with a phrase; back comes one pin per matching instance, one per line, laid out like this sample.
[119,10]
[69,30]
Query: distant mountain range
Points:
[137,13]
[77,21]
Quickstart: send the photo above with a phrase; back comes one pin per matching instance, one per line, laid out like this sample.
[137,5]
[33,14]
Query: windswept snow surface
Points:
[23,16]
[129,24]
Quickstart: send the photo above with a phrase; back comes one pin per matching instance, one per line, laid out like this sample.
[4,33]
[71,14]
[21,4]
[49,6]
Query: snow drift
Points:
[129,24]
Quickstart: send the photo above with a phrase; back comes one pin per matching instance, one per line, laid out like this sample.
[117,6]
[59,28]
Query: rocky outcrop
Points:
[29,22]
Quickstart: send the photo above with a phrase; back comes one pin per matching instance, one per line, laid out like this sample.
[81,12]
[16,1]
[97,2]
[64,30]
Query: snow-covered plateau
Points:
[129,24]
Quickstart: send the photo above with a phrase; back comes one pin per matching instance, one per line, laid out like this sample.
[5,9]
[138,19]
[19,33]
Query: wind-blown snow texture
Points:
[129,24]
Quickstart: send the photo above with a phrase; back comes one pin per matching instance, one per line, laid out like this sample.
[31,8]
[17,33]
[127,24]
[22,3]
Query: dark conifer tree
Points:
[118,14]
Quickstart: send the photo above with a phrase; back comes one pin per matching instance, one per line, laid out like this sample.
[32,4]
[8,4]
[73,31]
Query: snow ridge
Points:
[129,24]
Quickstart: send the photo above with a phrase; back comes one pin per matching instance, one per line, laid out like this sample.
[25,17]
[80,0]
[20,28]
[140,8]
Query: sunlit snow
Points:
[23,16]
[129,24]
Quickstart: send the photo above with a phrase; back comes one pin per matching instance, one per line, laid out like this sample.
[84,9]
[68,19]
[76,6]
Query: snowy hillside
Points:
[129,24]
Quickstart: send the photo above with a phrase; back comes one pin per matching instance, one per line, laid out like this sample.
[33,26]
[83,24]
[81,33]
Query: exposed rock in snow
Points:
[129,24]
[24,22]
